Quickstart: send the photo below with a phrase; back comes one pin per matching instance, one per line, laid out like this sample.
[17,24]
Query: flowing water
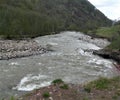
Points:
[71,59]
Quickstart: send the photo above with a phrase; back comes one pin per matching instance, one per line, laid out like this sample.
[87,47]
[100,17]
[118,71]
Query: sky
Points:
[111,8]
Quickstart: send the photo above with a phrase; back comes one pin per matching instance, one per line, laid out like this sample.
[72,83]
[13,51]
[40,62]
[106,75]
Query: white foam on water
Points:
[39,63]
[104,62]
[92,46]
[14,63]
[5,70]
[83,53]
[53,54]
[91,74]
[31,86]
[88,47]
[54,44]
[28,83]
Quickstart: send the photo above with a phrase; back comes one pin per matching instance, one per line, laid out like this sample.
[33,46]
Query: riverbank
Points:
[101,89]
[109,54]
[23,48]
[19,48]
[105,52]
[112,51]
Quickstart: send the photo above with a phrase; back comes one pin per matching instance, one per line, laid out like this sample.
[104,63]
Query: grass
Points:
[115,44]
[104,83]
[101,83]
[61,84]
[12,98]
[111,33]
[115,97]
[58,81]
[46,95]
[87,89]
[108,32]
[100,89]
[85,98]
[64,86]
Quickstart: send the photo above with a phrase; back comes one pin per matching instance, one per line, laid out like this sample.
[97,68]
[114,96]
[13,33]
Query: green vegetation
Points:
[64,86]
[111,33]
[46,95]
[12,98]
[100,89]
[61,84]
[31,18]
[104,83]
[115,97]
[117,23]
[85,98]
[115,44]
[87,89]
[107,32]
[58,81]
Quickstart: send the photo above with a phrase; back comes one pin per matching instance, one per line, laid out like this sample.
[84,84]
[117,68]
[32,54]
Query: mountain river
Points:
[70,58]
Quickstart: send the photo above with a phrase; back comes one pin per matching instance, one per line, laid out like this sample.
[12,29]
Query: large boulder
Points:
[108,54]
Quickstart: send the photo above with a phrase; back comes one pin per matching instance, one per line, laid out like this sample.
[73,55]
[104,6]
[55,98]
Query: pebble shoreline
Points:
[19,48]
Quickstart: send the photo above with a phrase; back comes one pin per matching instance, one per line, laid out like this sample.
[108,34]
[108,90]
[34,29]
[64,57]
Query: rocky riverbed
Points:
[100,42]
[19,48]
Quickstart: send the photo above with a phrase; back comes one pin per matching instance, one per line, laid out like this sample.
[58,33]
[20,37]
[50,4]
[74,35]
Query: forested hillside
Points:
[30,18]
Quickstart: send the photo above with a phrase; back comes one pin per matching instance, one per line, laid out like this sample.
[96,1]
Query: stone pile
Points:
[19,48]
[97,41]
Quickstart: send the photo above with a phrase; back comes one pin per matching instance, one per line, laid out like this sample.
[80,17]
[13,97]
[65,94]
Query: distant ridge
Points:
[30,18]
[116,21]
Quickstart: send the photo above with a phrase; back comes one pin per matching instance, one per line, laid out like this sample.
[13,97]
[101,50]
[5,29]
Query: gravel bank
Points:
[19,48]
[102,43]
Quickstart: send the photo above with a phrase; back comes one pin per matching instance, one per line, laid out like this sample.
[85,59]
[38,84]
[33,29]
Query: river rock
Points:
[108,54]
[19,48]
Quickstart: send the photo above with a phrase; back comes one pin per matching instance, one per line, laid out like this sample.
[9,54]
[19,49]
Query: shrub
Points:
[46,95]
[101,83]
[64,86]
[58,81]
[87,89]
[12,98]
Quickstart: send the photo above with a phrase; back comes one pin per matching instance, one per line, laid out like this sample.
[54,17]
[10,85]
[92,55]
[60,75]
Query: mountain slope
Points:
[30,18]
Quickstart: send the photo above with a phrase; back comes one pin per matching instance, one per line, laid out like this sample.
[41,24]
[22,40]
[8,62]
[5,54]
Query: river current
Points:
[70,58]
